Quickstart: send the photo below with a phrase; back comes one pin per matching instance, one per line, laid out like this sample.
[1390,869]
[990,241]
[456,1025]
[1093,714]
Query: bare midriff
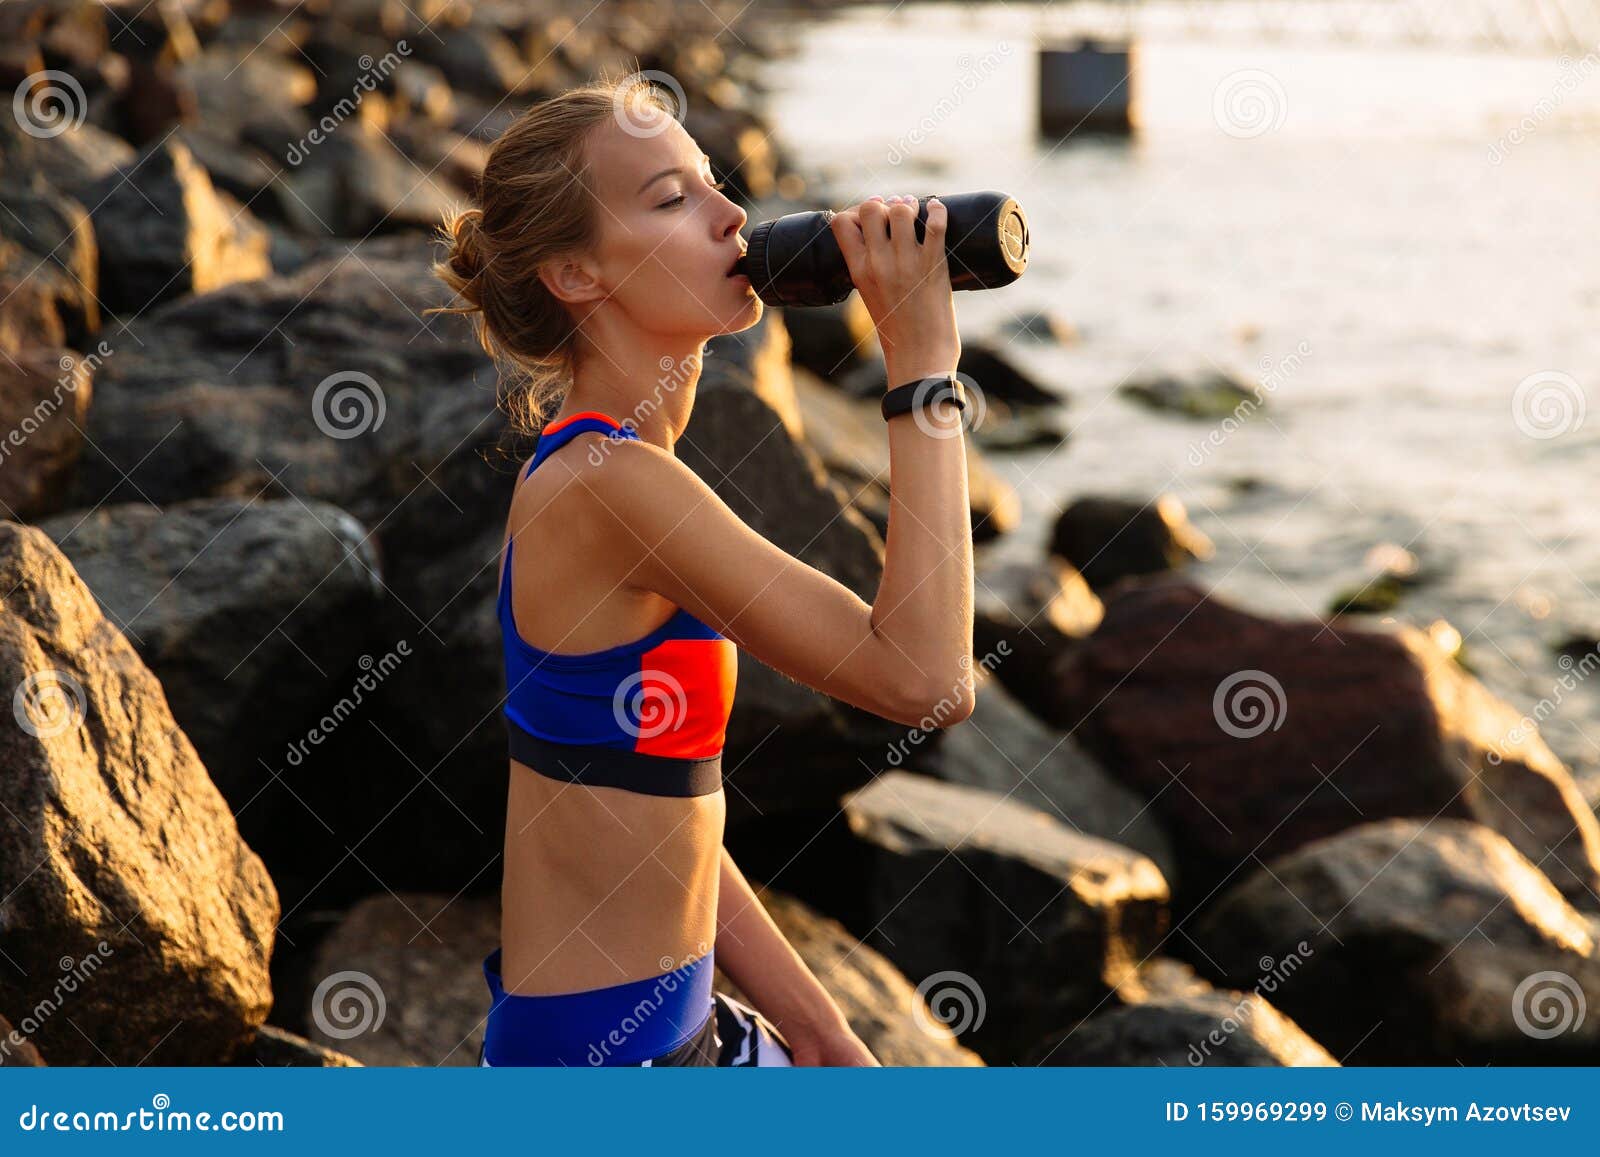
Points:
[603,886]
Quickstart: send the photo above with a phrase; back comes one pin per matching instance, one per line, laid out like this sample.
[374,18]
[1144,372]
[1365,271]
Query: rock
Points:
[831,340]
[30,293]
[1212,1029]
[226,394]
[15,1049]
[883,1009]
[194,240]
[50,225]
[245,93]
[741,147]
[277,1048]
[984,370]
[849,435]
[1041,325]
[755,359]
[1431,942]
[1037,612]
[252,614]
[479,60]
[1109,538]
[1003,749]
[1008,913]
[44,403]
[400,980]
[1281,732]
[121,868]
[71,161]
[1210,396]
[737,443]
[357,183]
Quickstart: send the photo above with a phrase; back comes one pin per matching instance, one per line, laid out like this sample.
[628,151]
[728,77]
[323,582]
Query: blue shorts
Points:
[673,1019]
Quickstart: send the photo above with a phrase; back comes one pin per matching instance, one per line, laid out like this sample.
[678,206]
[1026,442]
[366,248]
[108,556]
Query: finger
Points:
[846,229]
[904,252]
[875,225]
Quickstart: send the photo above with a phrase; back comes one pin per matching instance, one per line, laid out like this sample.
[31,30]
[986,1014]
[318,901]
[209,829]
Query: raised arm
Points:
[906,657]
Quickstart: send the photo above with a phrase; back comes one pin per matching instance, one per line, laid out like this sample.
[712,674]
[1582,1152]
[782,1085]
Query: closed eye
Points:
[680,198]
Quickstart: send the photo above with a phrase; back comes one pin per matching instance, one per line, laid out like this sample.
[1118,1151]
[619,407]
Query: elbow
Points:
[934,708]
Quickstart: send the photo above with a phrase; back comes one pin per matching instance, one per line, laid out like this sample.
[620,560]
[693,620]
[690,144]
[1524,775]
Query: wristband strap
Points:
[923,394]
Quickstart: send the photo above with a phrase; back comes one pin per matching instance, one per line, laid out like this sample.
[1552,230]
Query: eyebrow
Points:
[668,173]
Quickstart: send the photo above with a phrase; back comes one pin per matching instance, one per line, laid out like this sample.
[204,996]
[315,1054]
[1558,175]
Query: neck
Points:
[646,385]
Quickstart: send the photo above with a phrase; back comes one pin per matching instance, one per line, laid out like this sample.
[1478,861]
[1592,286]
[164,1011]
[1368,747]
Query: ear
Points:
[572,280]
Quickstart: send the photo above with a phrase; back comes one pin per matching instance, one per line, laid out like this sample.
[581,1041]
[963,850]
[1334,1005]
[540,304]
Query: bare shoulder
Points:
[628,476]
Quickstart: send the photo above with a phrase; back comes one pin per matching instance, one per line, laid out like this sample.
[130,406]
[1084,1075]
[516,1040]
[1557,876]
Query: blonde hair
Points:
[536,201]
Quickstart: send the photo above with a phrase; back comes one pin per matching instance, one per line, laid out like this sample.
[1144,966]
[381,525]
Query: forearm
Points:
[924,605]
[760,960]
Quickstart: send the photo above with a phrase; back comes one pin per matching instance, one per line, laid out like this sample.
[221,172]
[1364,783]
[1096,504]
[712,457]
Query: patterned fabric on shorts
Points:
[734,1035]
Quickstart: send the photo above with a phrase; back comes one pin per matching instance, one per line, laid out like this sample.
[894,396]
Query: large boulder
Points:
[252,614]
[315,384]
[1002,748]
[1012,915]
[137,924]
[1214,1029]
[1279,732]
[1432,942]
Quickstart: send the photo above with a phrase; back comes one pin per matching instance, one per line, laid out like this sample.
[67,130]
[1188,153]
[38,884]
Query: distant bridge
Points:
[1522,27]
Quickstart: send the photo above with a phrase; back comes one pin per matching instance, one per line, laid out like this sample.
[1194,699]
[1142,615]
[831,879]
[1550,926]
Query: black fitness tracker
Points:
[924,394]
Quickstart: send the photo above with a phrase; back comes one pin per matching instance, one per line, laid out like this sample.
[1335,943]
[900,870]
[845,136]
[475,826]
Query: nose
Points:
[740,217]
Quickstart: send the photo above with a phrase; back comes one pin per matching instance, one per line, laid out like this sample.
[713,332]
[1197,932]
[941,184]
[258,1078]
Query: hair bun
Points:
[467,258]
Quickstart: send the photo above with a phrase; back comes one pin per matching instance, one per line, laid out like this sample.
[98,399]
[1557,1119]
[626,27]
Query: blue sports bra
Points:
[647,716]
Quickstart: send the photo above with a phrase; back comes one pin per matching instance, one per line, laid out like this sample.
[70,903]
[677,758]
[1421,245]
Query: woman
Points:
[599,263]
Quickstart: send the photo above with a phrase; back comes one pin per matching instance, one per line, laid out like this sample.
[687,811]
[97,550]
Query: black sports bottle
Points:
[795,260]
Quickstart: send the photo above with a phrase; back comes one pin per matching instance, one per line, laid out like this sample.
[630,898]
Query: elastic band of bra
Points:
[595,766]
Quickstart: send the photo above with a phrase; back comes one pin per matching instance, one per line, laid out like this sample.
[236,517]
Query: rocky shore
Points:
[251,501]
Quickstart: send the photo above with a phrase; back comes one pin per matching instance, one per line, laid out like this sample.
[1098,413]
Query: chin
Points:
[745,318]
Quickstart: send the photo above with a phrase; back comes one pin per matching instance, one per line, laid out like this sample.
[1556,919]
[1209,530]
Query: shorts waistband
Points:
[621,1024]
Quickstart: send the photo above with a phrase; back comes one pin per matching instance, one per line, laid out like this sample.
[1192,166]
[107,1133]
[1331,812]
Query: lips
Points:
[737,267]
